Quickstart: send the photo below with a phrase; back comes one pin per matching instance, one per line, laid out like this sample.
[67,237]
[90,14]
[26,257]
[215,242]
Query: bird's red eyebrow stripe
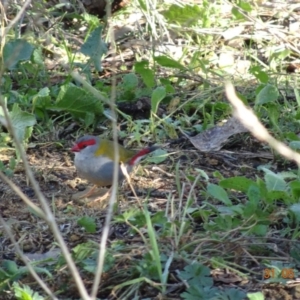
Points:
[86,143]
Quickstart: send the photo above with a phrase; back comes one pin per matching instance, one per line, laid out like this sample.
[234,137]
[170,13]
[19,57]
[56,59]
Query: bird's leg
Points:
[103,197]
[84,194]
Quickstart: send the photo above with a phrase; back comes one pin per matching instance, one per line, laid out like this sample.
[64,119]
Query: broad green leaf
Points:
[183,14]
[168,62]
[236,13]
[142,5]
[92,20]
[158,156]
[219,193]
[260,229]
[158,94]
[262,76]
[292,136]
[196,273]
[42,99]
[232,294]
[88,223]
[25,292]
[238,183]
[274,114]
[295,208]
[278,195]
[268,94]
[38,57]
[130,81]
[77,102]
[199,292]
[295,145]
[256,296]
[253,194]
[89,119]
[10,266]
[147,74]
[167,84]
[275,182]
[295,189]
[203,174]
[95,47]
[21,120]
[15,52]
[245,6]
[254,197]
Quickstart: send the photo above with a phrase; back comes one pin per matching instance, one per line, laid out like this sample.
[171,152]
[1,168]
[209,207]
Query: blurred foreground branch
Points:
[251,122]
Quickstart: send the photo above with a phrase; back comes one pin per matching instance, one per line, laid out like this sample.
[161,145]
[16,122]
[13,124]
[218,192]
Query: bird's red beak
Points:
[75,148]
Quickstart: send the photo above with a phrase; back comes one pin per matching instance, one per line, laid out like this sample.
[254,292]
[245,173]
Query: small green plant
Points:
[11,272]
[200,285]
[8,169]
[24,292]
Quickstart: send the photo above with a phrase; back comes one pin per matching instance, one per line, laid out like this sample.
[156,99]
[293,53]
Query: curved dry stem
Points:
[113,196]
[251,122]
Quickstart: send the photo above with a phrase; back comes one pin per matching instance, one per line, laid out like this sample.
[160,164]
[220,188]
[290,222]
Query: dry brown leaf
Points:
[214,138]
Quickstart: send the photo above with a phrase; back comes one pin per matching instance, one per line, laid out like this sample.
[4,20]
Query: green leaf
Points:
[142,5]
[254,197]
[195,273]
[219,193]
[260,229]
[278,195]
[268,94]
[184,14]
[38,57]
[95,47]
[295,145]
[232,294]
[295,208]
[10,266]
[88,223]
[158,156]
[196,292]
[167,84]
[20,121]
[275,182]
[25,292]
[42,99]
[262,76]
[253,194]
[158,94]
[15,52]
[77,102]
[92,20]
[200,282]
[236,13]
[238,183]
[130,81]
[295,189]
[256,296]
[245,6]
[147,75]
[165,61]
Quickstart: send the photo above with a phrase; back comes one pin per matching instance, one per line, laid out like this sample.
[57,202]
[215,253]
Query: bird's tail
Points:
[141,154]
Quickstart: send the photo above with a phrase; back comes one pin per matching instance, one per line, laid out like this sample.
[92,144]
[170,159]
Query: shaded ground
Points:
[56,175]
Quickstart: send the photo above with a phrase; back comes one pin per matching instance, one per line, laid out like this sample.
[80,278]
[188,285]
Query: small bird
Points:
[94,160]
